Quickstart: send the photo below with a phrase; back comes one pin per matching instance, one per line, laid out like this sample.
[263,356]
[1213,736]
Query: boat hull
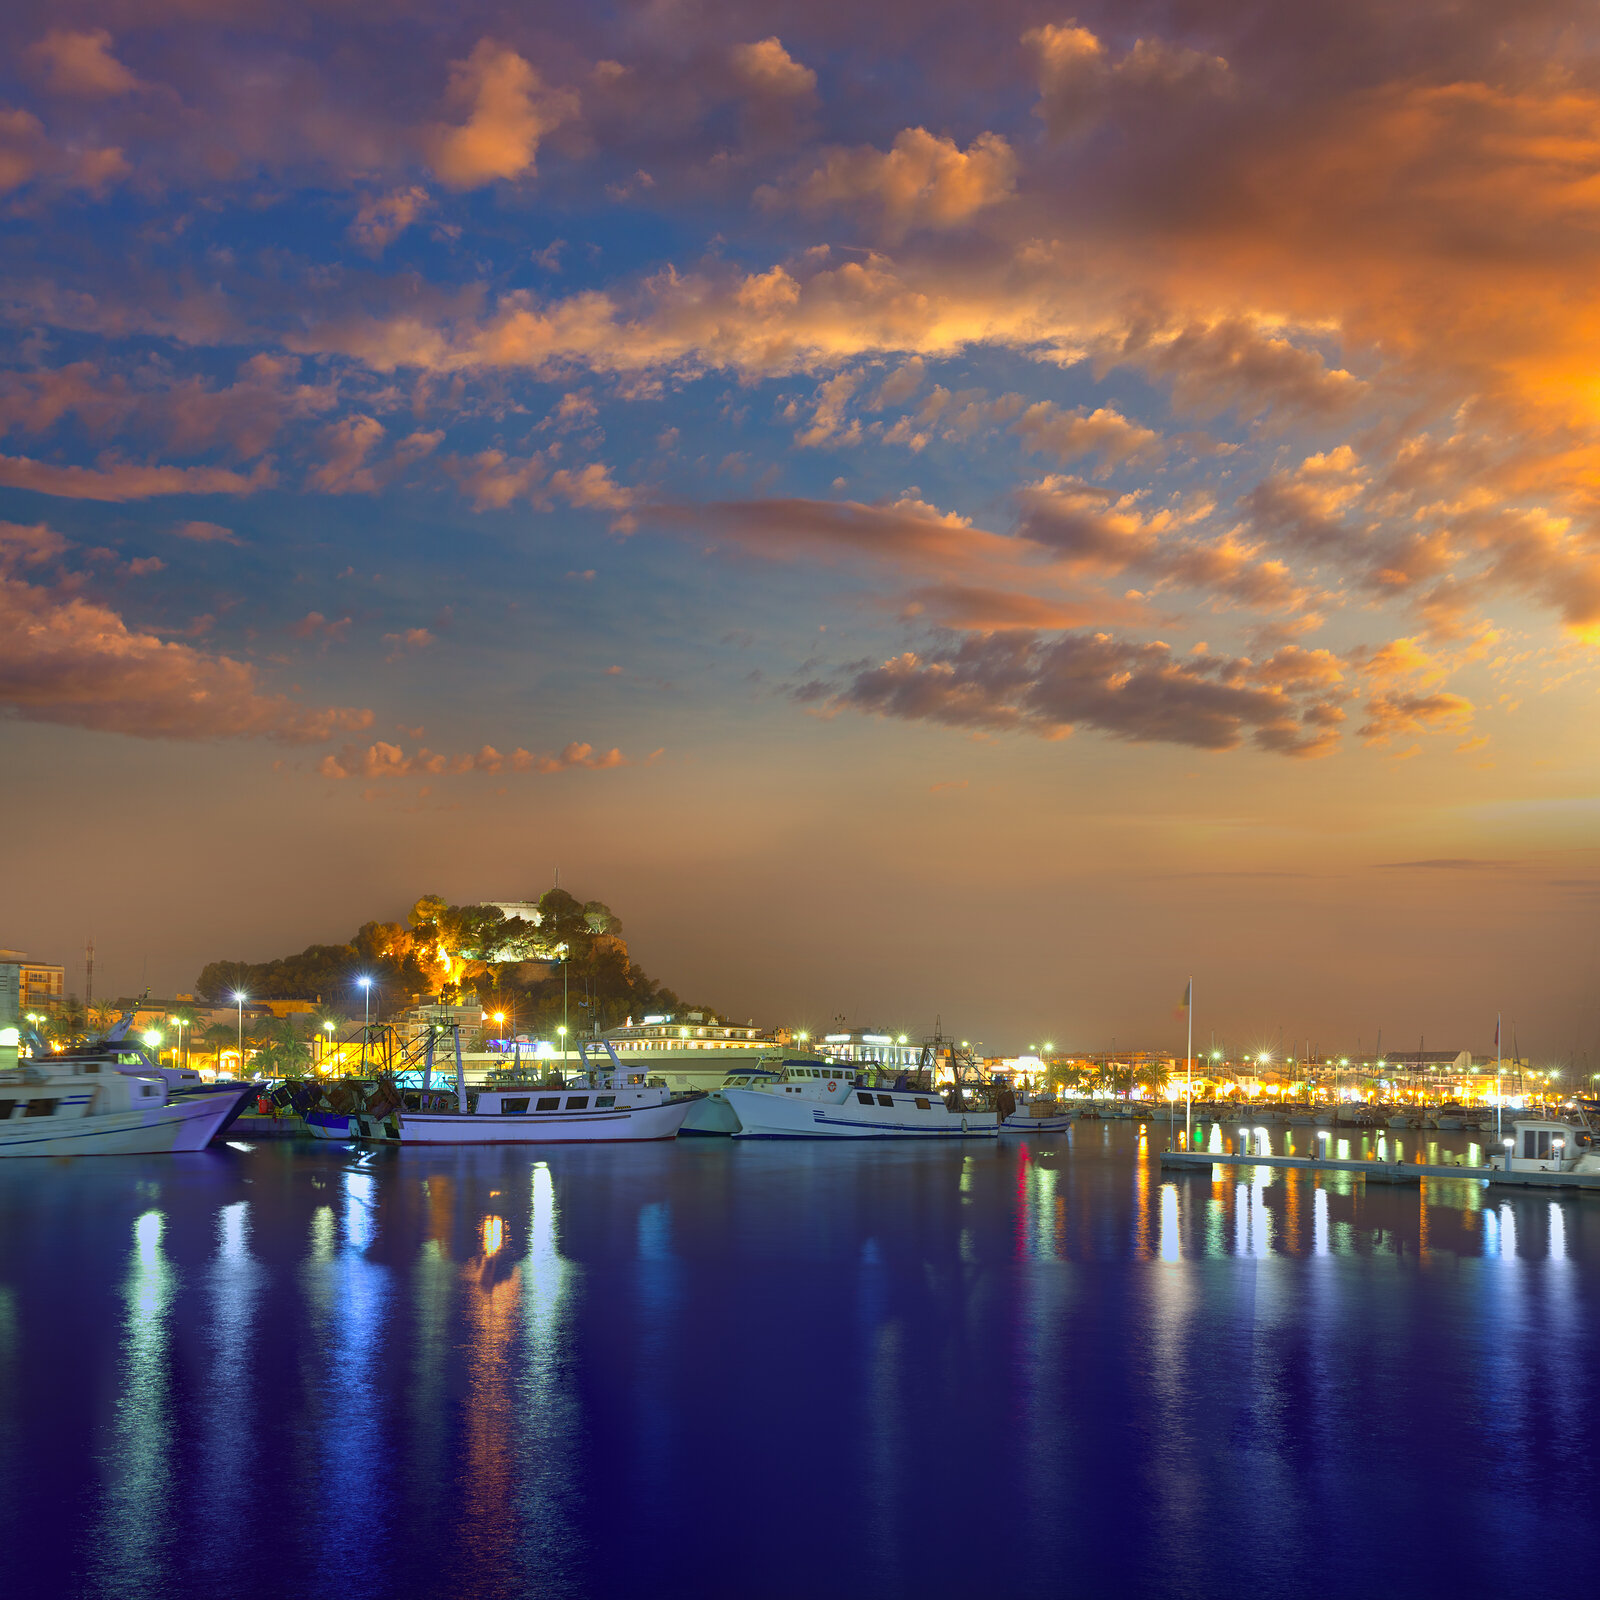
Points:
[1021,1124]
[187,1122]
[622,1125]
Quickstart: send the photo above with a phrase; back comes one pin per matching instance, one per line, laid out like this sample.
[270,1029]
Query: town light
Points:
[1263,1058]
[152,1038]
[804,1036]
[327,1027]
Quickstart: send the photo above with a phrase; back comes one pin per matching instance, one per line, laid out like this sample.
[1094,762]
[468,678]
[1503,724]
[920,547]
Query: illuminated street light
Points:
[152,1038]
[239,995]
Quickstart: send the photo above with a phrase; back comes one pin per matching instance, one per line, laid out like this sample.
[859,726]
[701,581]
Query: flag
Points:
[1188,997]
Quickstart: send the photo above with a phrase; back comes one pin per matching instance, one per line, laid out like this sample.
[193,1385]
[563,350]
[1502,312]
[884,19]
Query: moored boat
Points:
[810,1102]
[50,1107]
[1035,1113]
[1568,1143]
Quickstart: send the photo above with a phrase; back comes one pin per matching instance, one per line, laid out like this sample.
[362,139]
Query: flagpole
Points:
[1499,1081]
[1188,1067]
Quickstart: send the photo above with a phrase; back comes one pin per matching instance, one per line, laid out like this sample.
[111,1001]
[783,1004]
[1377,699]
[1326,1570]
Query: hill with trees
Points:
[517,965]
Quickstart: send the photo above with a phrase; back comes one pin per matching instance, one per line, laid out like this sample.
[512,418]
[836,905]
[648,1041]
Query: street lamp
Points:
[327,1028]
[180,1023]
[239,995]
[366,990]
[562,1031]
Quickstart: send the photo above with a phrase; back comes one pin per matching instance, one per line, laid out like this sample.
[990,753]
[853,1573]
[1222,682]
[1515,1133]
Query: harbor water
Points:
[1042,1367]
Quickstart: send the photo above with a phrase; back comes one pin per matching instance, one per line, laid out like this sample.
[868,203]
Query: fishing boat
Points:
[1035,1113]
[713,1117]
[592,1107]
[830,1102]
[81,1107]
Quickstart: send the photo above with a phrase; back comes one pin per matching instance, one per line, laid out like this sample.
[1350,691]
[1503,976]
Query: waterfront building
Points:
[41,985]
[696,1050]
[875,1048]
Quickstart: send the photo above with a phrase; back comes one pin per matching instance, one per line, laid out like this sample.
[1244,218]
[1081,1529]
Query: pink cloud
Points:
[65,659]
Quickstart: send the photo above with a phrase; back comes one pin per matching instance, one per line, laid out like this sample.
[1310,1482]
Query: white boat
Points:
[1036,1113]
[1549,1144]
[713,1117]
[50,1107]
[595,1107]
[823,1102]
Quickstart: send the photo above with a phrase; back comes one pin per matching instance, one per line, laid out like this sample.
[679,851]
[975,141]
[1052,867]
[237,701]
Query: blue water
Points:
[715,1369]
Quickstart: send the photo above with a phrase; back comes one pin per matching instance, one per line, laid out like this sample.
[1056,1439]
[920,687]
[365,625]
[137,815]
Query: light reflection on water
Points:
[514,1372]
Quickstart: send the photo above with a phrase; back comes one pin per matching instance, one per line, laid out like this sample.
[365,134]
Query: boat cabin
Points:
[1547,1144]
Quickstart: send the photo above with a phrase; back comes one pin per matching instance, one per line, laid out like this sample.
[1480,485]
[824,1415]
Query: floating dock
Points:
[1382,1171]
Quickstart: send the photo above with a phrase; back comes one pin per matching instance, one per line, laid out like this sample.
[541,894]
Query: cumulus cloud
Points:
[1022,682]
[1069,435]
[921,181]
[1233,364]
[346,445]
[1094,530]
[381,219]
[70,660]
[1078,77]
[81,64]
[508,111]
[26,154]
[768,70]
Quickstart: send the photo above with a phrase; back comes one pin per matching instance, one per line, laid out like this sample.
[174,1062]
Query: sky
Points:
[932,512]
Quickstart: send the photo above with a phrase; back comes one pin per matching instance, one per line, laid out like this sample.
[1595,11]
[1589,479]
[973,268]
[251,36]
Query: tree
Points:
[1152,1075]
[283,1053]
[219,1036]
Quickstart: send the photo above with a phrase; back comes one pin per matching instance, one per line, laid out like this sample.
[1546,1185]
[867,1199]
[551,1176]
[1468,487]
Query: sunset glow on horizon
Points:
[931,512]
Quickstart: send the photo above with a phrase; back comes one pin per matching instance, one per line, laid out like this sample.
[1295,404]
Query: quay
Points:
[1381,1171]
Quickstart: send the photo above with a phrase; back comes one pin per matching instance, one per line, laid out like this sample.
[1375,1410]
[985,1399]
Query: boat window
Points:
[922,1105]
[552,1104]
[511,1107]
[865,1099]
[578,1102]
[40,1108]
[6,1108]
[605,1102]
[885,1099]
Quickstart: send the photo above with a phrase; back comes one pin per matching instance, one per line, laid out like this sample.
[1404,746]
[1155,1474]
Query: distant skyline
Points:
[926,510]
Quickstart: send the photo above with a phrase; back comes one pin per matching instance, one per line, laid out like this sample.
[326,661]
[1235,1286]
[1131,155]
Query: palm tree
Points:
[1153,1076]
[217,1038]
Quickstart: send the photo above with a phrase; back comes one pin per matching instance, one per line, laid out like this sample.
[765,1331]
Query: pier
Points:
[1381,1171]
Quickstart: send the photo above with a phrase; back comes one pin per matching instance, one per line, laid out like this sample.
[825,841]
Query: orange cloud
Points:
[923,180]
[81,64]
[383,760]
[68,660]
[509,110]
[112,479]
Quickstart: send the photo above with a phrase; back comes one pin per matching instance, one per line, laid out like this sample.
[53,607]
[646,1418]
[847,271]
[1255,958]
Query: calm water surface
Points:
[766,1370]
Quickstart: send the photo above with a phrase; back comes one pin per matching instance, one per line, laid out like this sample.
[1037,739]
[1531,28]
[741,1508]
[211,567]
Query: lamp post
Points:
[239,995]
[366,1025]
[327,1029]
[562,1030]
